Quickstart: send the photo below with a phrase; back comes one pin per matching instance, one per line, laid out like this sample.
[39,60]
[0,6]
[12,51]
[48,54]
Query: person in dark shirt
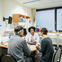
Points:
[46,47]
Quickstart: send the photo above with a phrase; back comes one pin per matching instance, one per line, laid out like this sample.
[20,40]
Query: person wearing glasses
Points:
[17,46]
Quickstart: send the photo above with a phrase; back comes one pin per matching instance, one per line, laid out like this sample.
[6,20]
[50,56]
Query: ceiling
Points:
[39,4]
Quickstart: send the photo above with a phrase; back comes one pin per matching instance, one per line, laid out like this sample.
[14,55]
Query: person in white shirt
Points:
[32,37]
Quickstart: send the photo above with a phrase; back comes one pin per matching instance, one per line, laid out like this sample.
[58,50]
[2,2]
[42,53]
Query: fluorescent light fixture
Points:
[31,1]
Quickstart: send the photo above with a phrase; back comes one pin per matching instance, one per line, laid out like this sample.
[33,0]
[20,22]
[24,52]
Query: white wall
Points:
[0,11]
[12,7]
[1,17]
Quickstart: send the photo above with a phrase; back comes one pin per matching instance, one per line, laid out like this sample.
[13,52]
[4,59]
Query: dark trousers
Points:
[33,56]
[39,58]
[28,59]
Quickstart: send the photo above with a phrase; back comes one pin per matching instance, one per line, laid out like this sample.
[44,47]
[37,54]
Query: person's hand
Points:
[27,41]
[34,41]
[38,45]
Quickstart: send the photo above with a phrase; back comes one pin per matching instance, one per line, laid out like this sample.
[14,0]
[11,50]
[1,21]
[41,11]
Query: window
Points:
[46,19]
[59,19]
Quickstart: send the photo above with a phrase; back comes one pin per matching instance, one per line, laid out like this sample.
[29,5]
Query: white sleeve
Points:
[28,37]
[37,36]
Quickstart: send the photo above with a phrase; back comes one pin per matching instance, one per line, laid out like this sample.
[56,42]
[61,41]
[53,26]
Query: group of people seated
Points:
[18,45]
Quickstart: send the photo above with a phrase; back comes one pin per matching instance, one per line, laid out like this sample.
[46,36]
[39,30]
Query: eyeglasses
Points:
[20,31]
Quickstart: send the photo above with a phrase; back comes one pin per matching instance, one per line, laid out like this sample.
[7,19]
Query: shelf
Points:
[17,16]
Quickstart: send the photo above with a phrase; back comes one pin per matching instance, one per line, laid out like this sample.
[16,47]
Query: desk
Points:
[4,46]
[3,50]
[32,48]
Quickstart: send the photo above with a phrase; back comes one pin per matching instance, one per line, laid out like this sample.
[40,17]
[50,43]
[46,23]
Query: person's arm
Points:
[43,46]
[28,38]
[26,49]
[38,48]
[36,39]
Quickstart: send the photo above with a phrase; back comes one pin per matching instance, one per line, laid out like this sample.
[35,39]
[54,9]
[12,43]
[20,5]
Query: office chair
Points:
[8,58]
[57,57]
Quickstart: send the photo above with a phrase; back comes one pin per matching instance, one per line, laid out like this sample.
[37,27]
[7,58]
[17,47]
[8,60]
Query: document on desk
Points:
[32,48]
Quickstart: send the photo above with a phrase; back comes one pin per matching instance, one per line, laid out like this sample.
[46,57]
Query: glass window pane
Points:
[46,19]
[59,19]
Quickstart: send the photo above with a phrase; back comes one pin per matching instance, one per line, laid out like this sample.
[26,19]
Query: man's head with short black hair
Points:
[18,29]
[44,31]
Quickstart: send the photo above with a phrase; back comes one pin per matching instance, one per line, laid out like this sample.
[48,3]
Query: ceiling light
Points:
[31,1]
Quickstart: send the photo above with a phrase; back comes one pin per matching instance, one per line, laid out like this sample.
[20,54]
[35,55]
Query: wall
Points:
[0,11]
[12,6]
[1,16]
[9,7]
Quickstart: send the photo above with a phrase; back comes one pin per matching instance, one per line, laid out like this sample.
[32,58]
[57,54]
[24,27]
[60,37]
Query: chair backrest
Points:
[8,58]
[53,56]
[57,57]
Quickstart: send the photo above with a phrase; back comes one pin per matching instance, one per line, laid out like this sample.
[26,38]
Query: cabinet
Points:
[17,16]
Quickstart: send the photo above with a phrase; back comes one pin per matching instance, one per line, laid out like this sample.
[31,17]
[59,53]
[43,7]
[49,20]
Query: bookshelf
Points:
[17,16]
[22,20]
